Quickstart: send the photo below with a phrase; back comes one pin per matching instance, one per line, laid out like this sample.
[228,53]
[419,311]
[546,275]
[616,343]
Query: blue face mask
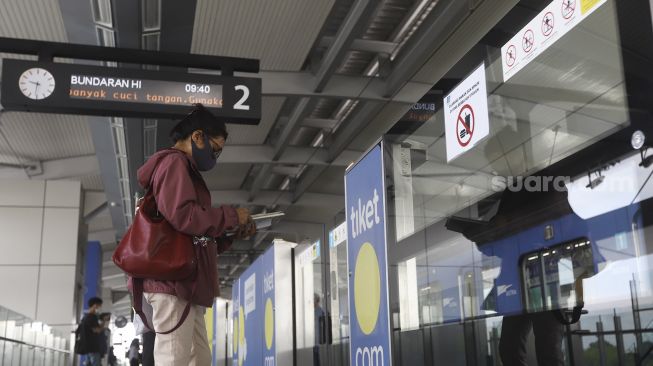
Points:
[204,158]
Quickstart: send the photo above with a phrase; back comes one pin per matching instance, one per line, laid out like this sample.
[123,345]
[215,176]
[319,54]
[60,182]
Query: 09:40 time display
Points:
[194,88]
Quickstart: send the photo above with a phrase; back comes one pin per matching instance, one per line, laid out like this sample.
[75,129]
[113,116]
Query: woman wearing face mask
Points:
[184,200]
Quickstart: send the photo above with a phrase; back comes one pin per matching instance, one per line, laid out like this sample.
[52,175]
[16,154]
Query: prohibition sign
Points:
[528,41]
[568,8]
[465,125]
[511,55]
[548,22]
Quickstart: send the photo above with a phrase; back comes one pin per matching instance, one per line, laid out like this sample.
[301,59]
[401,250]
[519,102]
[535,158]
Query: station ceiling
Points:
[336,75]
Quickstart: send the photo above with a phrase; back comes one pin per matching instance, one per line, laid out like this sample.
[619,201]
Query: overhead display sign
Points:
[369,320]
[466,118]
[545,29]
[93,90]
[423,110]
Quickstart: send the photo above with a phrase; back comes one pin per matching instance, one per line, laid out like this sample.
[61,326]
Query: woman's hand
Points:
[243,216]
[246,226]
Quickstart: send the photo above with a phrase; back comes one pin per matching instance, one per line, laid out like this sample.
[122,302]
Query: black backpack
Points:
[81,343]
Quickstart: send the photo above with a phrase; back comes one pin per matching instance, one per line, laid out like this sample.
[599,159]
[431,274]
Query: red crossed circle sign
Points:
[511,55]
[568,8]
[548,22]
[465,125]
[528,41]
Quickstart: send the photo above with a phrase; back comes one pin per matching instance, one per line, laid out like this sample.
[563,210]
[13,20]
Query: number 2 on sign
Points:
[240,105]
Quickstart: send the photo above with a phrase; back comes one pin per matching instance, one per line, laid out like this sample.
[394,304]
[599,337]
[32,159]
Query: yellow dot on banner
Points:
[241,334]
[367,288]
[269,324]
[241,326]
[235,339]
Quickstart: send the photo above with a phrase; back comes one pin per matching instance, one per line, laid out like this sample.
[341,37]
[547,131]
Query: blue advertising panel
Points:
[268,345]
[366,258]
[253,314]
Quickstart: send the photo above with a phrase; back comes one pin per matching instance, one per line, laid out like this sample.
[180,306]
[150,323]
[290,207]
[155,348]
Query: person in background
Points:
[92,328]
[134,353]
[174,177]
[148,348]
[319,329]
[105,338]
[112,360]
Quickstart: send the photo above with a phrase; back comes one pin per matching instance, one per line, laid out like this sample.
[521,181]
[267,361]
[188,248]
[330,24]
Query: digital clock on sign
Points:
[195,88]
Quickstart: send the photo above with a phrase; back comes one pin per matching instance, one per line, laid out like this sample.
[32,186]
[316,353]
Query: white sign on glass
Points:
[545,29]
[466,119]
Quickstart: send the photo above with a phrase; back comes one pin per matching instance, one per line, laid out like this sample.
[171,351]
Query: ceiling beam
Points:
[264,154]
[93,200]
[353,24]
[258,182]
[126,55]
[299,113]
[103,236]
[433,32]
[321,123]
[357,120]
[72,167]
[300,84]
[96,212]
[364,45]
[356,20]
[270,198]
[435,29]
[78,166]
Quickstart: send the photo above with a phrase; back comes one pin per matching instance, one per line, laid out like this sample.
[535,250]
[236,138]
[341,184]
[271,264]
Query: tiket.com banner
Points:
[367,261]
[253,316]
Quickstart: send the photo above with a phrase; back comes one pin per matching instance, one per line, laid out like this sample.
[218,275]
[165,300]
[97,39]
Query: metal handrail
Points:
[33,345]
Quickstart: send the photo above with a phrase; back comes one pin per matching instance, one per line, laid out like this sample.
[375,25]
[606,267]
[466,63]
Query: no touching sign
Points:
[466,119]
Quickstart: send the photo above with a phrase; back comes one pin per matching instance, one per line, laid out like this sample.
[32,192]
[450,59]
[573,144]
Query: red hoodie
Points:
[185,201]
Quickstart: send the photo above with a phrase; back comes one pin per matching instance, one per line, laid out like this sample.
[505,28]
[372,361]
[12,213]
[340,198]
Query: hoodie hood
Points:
[146,172]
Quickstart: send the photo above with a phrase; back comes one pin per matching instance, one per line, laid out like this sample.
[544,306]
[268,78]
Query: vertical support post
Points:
[601,337]
[636,319]
[92,271]
[92,275]
[294,308]
[494,340]
[570,345]
[621,352]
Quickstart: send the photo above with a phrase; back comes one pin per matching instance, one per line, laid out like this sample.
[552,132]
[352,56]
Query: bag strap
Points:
[137,286]
[149,190]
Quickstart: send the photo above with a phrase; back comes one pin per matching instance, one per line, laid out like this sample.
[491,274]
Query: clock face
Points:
[36,83]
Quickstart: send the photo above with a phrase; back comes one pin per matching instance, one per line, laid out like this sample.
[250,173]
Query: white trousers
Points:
[186,346]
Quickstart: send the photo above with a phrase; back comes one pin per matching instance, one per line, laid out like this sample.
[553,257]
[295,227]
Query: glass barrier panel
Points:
[522,241]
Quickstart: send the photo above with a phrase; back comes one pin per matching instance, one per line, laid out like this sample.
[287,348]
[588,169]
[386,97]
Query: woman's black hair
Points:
[199,119]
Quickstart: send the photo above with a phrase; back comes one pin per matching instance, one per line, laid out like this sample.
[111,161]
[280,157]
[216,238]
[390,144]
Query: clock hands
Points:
[36,89]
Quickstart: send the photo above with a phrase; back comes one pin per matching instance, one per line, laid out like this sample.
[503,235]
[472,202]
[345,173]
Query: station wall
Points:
[39,240]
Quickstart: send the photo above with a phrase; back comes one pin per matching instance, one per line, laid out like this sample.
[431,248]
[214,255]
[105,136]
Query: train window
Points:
[552,277]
